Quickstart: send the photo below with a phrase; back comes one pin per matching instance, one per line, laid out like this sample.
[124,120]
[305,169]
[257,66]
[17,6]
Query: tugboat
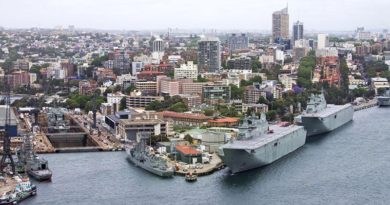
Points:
[144,156]
[191,176]
[36,167]
[22,191]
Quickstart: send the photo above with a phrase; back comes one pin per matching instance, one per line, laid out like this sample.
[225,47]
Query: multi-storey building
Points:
[185,119]
[243,63]
[191,88]
[135,101]
[236,42]
[209,55]
[214,94]
[87,87]
[147,87]
[280,25]
[253,93]
[297,31]
[322,41]
[188,71]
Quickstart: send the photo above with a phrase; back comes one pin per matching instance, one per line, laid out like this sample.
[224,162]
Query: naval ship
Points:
[320,118]
[384,100]
[144,156]
[29,161]
[259,144]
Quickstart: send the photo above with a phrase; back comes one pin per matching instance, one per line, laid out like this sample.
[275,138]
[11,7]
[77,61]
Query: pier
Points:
[369,104]
[214,165]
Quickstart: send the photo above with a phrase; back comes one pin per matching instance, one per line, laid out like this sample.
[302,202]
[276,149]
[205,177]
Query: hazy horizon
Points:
[247,15]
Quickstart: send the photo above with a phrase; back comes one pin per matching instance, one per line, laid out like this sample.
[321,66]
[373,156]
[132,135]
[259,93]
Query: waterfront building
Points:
[185,119]
[188,154]
[144,122]
[14,122]
[379,83]
[209,54]
[280,25]
[224,122]
[256,107]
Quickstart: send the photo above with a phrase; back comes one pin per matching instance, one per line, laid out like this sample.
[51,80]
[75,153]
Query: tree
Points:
[123,104]
[208,112]
[236,92]
[130,89]
[188,138]
[201,80]
[271,115]
[305,70]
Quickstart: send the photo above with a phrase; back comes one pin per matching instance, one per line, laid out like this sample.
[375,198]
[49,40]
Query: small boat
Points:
[22,191]
[191,177]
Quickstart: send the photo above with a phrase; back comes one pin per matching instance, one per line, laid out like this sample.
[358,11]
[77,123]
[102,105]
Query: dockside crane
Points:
[6,159]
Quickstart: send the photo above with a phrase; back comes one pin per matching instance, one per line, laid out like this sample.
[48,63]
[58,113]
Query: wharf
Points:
[7,184]
[369,104]
[214,165]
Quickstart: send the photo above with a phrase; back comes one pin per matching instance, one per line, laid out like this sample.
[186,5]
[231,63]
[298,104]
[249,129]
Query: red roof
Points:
[187,150]
[225,120]
[184,115]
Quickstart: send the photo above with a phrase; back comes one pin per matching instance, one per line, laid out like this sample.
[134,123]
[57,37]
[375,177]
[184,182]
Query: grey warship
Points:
[320,118]
[259,144]
[144,156]
[384,100]
[35,166]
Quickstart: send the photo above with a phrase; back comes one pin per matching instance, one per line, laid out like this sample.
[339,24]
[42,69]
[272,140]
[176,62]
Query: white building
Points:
[287,80]
[189,71]
[136,67]
[322,41]
[33,77]
[115,98]
[325,52]
[378,83]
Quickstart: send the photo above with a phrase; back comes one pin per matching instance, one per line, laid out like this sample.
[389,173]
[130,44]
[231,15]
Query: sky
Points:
[317,15]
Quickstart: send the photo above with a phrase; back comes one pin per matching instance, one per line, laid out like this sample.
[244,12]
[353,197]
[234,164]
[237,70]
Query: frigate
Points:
[320,118]
[259,143]
[35,166]
[145,157]
[384,100]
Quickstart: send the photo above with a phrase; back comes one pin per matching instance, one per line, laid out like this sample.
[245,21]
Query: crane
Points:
[7,132]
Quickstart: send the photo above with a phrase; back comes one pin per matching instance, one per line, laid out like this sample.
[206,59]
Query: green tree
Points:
[236,92]
[123,104]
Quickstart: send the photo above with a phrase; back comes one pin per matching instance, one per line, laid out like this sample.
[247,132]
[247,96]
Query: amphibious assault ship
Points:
[29,161]
[384,100]
[320,118]
[144,156]
[259,144]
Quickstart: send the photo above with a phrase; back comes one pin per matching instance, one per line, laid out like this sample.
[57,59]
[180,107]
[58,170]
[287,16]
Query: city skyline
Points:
[342,15]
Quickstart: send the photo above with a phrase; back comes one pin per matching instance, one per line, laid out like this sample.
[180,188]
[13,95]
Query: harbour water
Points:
[348,166]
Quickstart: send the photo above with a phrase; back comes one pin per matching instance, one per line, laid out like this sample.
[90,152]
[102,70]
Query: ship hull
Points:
[316,125]
[44,175]
[148,167]
[240,160]
[383,101]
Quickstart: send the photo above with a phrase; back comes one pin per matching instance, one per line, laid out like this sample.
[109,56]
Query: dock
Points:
[369,104]
[207,169]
